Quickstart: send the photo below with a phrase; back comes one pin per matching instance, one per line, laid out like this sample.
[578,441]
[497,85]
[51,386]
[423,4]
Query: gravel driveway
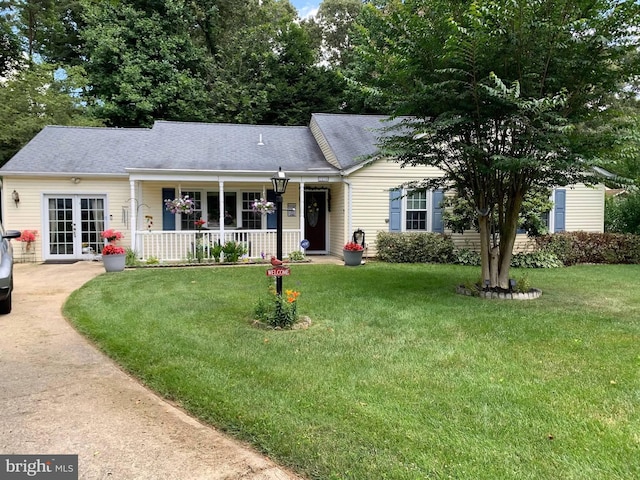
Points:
[60,395]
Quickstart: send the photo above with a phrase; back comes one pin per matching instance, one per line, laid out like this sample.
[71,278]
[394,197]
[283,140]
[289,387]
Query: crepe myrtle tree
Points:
[495,165]
[504,97]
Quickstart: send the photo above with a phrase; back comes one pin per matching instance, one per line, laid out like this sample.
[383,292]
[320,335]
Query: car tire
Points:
[5,305]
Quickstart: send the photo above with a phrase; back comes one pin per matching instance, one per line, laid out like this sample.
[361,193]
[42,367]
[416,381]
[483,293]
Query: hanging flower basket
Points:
[263,207]
[181,204]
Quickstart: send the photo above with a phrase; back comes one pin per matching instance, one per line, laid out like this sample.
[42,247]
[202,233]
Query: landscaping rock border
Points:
[486,294]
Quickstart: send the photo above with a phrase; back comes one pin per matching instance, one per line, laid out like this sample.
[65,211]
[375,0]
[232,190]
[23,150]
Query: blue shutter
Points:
[168,218]
[272,218]
[395,210]
[437,221]
[560,210]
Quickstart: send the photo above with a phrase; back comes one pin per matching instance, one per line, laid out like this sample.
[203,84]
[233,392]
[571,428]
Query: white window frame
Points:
[204,208]
[405,210]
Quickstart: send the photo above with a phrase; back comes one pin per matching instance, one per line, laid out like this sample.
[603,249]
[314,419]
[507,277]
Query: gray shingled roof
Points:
[233,147]
[198,147]
[352,138]
[80,150]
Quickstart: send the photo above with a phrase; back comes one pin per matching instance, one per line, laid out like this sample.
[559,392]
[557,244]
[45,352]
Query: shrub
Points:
[622,213]
[415,248]
[215,251]
[537,259]
[131,258]
[296,256]
[584,247]
[233,251]
[465,256]
[523,284]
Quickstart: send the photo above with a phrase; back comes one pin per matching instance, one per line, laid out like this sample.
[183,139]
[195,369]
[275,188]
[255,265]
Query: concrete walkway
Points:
[60,395]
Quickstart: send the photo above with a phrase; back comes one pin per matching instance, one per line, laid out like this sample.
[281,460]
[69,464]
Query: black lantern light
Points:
[279,181]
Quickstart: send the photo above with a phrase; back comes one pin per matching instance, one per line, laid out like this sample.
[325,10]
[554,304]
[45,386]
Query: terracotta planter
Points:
[352,258]
[114,263]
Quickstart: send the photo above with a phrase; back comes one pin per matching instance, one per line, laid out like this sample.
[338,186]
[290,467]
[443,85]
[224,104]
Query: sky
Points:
[306,7]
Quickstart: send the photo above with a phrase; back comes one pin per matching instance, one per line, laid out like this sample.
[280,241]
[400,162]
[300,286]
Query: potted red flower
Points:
[113,256]
[28,237]
[352,253]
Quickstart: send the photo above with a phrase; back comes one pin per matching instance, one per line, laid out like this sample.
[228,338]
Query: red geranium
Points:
[27,236]
[112,235]
[353,247]
[112,250]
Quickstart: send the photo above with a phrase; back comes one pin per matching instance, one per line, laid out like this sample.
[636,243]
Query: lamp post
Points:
[279,181]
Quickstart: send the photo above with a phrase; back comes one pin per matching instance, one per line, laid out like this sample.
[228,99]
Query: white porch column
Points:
[301,211]
[133,215]
[221,208]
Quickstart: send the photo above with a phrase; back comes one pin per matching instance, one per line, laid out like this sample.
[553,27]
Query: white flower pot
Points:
[114,263]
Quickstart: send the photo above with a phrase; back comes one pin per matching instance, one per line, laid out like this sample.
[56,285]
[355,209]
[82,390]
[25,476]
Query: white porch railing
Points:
[177,246]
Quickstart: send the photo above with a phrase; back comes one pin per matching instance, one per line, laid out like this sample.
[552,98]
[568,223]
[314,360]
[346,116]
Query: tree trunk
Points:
[485,246]
[508,232]
[496,259]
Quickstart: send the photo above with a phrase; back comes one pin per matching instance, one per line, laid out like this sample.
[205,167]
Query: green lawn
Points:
[398,377]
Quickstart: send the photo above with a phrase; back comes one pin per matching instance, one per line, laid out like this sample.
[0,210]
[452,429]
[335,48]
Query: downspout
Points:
[134,214]
[349,204]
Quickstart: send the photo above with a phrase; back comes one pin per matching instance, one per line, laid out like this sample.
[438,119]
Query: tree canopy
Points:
[506,97]
[239,61]
[34,98]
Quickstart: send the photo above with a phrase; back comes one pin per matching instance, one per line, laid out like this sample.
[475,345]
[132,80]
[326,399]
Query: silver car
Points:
[6,269]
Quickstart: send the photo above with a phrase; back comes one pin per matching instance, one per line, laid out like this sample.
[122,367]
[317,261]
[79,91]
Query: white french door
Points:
[74,224]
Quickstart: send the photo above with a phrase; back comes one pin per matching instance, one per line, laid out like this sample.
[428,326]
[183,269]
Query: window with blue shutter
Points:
[437,220]
[168,218]
[560,211]
[395,210]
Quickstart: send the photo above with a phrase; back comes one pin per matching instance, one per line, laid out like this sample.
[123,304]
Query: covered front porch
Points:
[178,246]
[222,214]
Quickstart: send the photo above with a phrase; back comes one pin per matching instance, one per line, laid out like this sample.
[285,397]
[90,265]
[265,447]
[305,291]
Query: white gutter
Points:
[349,204]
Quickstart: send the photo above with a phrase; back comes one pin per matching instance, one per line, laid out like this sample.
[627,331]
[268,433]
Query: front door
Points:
[74,224]
[315,220]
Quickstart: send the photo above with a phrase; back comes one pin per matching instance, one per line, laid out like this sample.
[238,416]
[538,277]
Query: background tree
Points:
[330,30]
[622,211]
[34,98]
[143,64]
[49,29]
[505,97]
[10,48]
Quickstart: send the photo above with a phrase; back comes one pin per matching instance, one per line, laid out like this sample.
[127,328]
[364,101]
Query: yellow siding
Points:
[367,188]
[337,219]
[585,208]
[323,143]
[370,205]
[29,215]
[370,196]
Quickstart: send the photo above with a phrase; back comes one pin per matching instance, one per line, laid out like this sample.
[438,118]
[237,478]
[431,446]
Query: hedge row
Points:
[415,248]
[554,250]
[583,247]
